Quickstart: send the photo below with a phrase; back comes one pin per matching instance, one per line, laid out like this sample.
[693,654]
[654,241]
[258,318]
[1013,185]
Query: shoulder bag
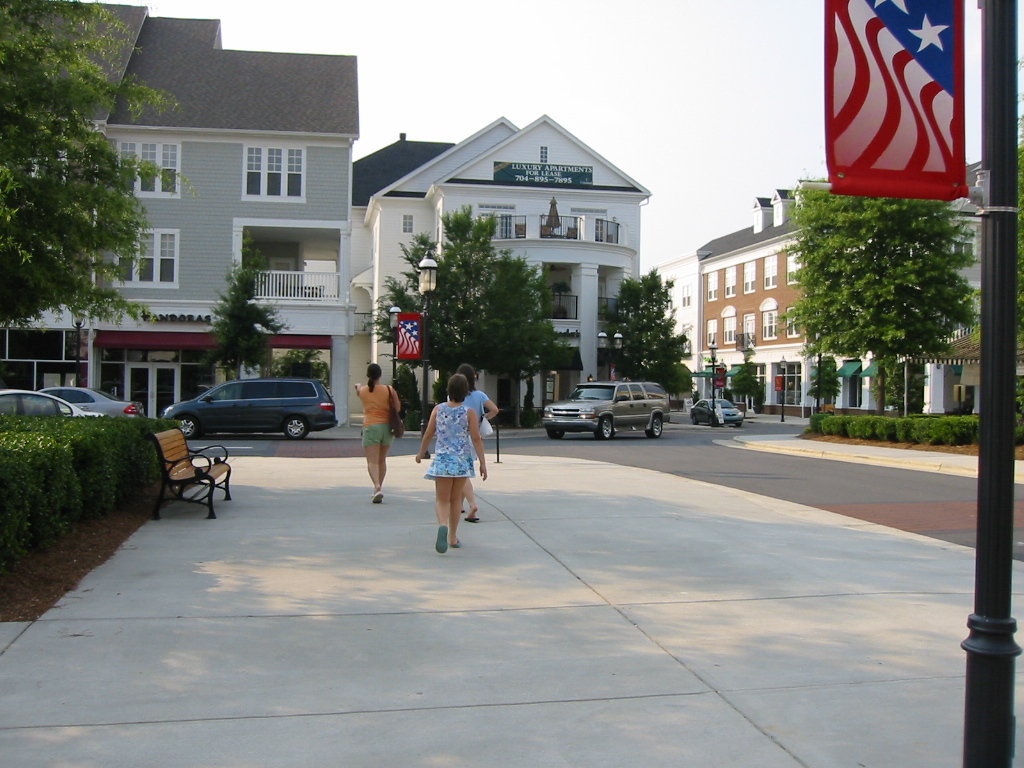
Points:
[395,418]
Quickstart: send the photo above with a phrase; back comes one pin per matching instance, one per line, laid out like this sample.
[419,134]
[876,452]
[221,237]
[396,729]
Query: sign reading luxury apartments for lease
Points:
[544,173]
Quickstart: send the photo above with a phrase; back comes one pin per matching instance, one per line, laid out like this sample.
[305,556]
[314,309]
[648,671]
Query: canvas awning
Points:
[734,370]
[848,369]
[871,370]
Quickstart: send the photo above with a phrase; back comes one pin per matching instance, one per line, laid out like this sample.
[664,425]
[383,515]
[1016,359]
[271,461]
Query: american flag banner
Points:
[894,98]
[410,336]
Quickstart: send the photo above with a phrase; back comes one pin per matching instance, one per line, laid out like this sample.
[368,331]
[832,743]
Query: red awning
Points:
[154,340]
[183,340]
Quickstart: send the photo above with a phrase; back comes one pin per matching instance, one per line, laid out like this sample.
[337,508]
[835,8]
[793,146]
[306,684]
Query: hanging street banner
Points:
[410,335]
[894,98]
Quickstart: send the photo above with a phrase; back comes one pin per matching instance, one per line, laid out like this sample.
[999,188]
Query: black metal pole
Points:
[991,649]
[424,416]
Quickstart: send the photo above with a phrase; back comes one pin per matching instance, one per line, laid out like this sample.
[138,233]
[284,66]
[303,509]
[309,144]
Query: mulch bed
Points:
[37,581]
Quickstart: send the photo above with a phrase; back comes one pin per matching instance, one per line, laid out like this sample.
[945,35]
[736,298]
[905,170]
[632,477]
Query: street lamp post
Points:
[78,322]
[616,349]
[428,283]
[393,317]
[713,348]
[602,343]
[782,392]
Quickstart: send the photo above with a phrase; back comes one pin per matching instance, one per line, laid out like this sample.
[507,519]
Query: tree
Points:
[651,348]
[745,383]
[825,383]
[879,276]
[307,363]
[69,220]
[242,326]
[491,309]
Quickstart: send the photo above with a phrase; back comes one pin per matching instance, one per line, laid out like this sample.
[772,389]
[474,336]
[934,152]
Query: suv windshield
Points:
[592,392]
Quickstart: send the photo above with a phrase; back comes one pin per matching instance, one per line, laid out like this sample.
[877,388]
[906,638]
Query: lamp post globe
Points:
[602,343]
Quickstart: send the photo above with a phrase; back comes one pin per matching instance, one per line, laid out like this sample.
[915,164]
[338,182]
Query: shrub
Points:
[955,430]
[529,417]
[816,423]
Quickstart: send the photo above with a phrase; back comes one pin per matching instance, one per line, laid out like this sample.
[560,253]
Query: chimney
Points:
[401,137]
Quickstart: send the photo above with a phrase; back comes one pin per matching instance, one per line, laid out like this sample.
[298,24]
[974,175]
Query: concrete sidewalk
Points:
[599,616]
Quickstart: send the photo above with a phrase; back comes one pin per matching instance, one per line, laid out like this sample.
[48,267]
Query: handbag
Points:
[485,427]
[395,419]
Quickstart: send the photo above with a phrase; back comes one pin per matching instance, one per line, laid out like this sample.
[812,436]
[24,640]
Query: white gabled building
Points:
[515,175]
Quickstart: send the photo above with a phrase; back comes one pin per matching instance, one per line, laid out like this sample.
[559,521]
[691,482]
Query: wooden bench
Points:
[198,472]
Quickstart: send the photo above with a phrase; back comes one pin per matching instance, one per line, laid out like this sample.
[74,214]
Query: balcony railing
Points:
[509,227]
[305,287]
[606,231]
[568,227]
[606,307]
[564,306]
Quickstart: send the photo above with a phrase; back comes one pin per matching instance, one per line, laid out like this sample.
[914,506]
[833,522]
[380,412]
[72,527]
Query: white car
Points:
[25,402]
[95,400]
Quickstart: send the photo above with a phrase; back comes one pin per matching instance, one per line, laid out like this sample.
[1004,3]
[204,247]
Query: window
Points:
[792,268]
[160,176]
[157,264]
[791,329]
[685,295]
[771,269]
[749,276]
[712,286]
[543,154]
[729,329]
[407,223]
[273,172]
[730,282]
[749,326]
[713,332]
[606,231]
[769,319]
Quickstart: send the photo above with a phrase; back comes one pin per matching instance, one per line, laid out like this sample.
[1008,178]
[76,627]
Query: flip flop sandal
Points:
[441,545]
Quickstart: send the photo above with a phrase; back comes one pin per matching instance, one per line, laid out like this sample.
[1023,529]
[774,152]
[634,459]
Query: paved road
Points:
[935,505]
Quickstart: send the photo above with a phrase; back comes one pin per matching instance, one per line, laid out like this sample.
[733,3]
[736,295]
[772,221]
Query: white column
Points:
[340,384]
[584,285]
[938,388]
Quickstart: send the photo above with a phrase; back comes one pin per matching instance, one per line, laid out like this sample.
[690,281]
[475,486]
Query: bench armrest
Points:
[218,453]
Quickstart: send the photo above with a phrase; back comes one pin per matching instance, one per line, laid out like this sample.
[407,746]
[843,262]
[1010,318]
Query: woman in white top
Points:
[486,409]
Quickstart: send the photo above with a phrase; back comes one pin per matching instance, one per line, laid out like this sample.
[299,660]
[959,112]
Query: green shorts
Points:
[377,434]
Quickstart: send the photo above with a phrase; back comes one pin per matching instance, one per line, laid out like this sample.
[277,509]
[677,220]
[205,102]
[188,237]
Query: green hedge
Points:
[56,470]
[926,430]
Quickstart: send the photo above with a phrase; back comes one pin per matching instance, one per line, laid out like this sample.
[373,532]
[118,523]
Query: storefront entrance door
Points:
[155,385]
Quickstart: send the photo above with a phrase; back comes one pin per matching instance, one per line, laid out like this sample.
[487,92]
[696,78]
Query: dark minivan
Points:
[293,406]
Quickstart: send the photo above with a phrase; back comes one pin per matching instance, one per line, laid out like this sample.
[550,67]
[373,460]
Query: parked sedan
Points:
[701,413]
[96,401]
[24,402]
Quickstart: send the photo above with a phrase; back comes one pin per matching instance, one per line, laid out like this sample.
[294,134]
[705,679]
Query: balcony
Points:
[564,306]
[509,227]
[606,231]
[299,287]
[568,227]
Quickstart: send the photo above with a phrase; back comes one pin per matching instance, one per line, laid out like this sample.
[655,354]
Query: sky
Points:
[706,103]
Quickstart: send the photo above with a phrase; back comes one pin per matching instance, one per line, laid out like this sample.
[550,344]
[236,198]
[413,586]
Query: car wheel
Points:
[605,428]
[655,428]
[295,428]
[556,434]
[693,418]
[190,427]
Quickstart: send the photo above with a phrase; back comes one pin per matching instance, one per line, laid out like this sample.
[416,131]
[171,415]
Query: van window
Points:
[258,390]
[230,391]
[295,389]
[636,392]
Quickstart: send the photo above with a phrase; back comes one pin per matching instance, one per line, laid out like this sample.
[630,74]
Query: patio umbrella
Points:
[554,220]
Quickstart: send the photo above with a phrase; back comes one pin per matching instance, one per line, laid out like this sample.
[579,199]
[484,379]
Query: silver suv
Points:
[603,407]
